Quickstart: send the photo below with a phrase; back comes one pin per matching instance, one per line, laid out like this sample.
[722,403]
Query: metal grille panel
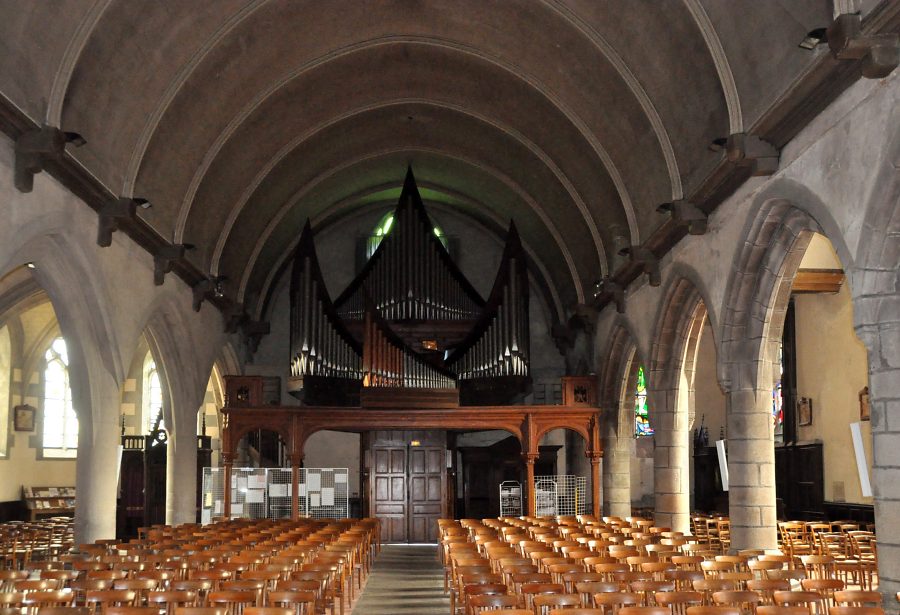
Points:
[560,495]
[510,498]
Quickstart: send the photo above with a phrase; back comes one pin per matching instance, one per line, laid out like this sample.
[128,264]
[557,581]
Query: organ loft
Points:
[410,355]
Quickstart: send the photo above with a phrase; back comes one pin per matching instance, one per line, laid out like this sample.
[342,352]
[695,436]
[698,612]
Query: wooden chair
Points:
[545,603]
[713,610]
[769,609]
[105,598]
[171,599]
[131,610]
[745,600]
[8,578]
[201,587]
[200,610]
[297,602]
[491,602]
[678,602]
[480,589]
[34,585]
[648,589]
[57,597]
[233,601]
[644,610]
[856,610]
[575,611]
[530,590]
[587,589]
[826,587]
[814,601]
[63,610]
[612,602]
[766,589]
[858,598]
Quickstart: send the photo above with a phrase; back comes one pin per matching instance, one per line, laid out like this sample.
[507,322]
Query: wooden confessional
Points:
[142,480]
[409,355]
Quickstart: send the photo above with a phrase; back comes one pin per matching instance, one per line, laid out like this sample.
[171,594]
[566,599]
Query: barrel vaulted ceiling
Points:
[238,119]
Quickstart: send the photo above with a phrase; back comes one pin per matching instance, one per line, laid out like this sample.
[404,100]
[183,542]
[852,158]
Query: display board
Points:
[265,493]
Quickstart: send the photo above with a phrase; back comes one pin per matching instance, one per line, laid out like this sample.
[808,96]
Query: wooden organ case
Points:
[410,328]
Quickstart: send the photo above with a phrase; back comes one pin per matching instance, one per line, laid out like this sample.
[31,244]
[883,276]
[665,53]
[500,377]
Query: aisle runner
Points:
[405,579]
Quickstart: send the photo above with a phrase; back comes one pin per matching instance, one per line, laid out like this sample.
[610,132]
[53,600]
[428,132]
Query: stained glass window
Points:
[384,227]
[60,421]
[641,411]
[778,397]
[153,401]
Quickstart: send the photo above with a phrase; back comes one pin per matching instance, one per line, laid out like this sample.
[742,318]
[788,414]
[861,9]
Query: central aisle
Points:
[405,579]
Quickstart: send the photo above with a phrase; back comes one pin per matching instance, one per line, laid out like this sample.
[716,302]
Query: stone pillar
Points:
[883,342]
[751,470]
[617,447]
[671,464]
[181,475]
[97,467]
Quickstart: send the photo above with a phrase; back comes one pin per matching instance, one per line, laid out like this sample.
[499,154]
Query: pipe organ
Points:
[410,325]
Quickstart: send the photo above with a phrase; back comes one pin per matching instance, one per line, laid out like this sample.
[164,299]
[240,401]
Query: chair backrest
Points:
[713,610]
[858,598]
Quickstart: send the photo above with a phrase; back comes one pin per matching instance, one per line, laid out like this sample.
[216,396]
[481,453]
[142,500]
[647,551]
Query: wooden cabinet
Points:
[48,501]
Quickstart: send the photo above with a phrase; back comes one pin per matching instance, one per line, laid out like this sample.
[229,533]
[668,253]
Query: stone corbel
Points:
[253,330]
[165,258]
[34,148]
[750,151]
[563,336]
[234,316]
[648,262]
[209,287]
[608,286]
[123,208]
[878,54]
[685,213]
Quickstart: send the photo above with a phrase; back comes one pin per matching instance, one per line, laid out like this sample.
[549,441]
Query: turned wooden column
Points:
[227,463]
[530,458]
[596,483]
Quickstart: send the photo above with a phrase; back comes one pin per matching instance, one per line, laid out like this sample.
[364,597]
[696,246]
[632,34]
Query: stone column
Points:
[883,341]
[671,465]
[181,475]
[97,467]
[751,469]
[617,447]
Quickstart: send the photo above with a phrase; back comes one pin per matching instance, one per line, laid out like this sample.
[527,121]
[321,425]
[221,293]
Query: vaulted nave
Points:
[294,293]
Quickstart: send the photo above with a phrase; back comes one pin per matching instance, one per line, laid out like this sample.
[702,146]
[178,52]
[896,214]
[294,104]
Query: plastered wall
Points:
[831,370]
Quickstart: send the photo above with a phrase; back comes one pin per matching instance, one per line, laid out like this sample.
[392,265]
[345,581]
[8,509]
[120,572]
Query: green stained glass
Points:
[641,411]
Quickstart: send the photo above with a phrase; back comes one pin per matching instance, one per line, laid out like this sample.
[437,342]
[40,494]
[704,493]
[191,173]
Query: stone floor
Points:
[404,579]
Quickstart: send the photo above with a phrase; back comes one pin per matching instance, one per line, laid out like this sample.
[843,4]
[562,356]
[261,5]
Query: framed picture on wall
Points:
[23,418]
[864,414]
[804,411]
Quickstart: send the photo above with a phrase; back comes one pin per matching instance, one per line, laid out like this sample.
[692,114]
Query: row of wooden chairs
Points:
[520,560]
[24,542]
[235,565]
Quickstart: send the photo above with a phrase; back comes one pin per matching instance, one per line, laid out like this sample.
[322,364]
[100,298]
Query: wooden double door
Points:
[407,477]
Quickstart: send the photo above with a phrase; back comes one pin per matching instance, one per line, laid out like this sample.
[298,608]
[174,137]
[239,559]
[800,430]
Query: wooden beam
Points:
[809,281]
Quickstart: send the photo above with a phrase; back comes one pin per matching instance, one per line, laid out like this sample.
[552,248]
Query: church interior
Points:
[418,306]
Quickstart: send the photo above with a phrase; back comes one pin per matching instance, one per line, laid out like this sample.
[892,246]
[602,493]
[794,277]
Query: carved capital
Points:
[607,287]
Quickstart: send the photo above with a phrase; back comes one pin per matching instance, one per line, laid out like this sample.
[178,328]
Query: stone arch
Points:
[617,423]
[67,273]
[670,389]
[755,304]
